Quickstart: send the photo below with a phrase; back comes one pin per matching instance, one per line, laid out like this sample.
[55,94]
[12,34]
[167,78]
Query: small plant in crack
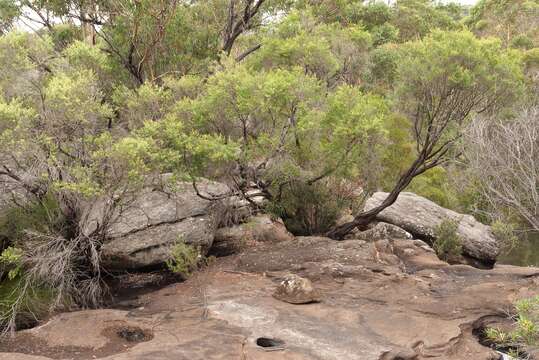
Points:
[525,332]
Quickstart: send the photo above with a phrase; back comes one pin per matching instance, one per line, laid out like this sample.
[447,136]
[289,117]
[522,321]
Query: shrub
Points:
[505,234]
[448,244]
[434,185]
[47,264]
[522,42]
[42,216]
[183,259]
[21,306]
[312,209]
[525,331]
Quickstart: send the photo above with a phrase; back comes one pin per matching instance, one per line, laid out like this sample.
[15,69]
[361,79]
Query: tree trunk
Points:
[365,218]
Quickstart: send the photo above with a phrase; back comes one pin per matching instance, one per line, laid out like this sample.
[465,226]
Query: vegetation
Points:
[505,234]
[525,332]
[448,244]
[313,104]
[184,258]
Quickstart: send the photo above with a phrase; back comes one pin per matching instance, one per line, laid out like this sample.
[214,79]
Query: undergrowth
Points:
[525,332]
[448,244]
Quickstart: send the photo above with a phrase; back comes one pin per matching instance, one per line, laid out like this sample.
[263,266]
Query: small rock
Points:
[296,290]
[260,228]
[380,231]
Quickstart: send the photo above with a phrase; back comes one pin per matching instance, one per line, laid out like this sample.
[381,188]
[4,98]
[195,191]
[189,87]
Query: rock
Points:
[380,231]
[143,233]
[417,307]
[420,217]
[402,354]
[296,290]
[260,228]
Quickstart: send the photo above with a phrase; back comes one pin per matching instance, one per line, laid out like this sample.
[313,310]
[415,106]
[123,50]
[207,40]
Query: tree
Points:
[442,81]
[330,52]
[504,157]
[416,18]
[514,22]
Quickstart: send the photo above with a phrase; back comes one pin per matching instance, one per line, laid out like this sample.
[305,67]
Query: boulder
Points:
[259,228]
[294,289]
[420,217]
[142,234]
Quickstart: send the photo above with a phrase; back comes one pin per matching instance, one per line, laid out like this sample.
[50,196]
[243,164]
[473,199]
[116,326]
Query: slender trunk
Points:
[365,218]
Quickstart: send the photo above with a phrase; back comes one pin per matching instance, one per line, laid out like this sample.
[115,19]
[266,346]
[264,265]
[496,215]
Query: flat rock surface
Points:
[383,300]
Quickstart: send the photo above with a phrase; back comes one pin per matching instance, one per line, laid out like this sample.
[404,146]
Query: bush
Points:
[21,307]
[312,209]
[434,185]
[522,42]
[448,245]
[505,234]
[42,216]
[183,259]
[47,264]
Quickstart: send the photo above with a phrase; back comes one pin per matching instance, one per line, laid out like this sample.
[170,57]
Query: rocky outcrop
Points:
[259,228]
[382,300]
[143,233]
[420,217]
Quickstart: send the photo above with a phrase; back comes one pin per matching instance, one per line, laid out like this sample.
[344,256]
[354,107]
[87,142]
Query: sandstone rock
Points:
[144,232]
[260,228]
[294,289]
[417,308]
[420,217]
[381,231]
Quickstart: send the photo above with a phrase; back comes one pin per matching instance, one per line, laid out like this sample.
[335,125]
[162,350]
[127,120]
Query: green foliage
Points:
[417,18]
[11,260]
[514,22]
[21,55]
[327,51]
[525,331]
[335,95]
[522,42]
[478,75]
[434,186]
[9,11]
[504,233]
[64,35]
[531,58]
[497,336]
[309,209]
[383,34]
[23,306]
[383,67]
[42,216]
[82,56]
[397,151]
[184,258]
[447,243]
